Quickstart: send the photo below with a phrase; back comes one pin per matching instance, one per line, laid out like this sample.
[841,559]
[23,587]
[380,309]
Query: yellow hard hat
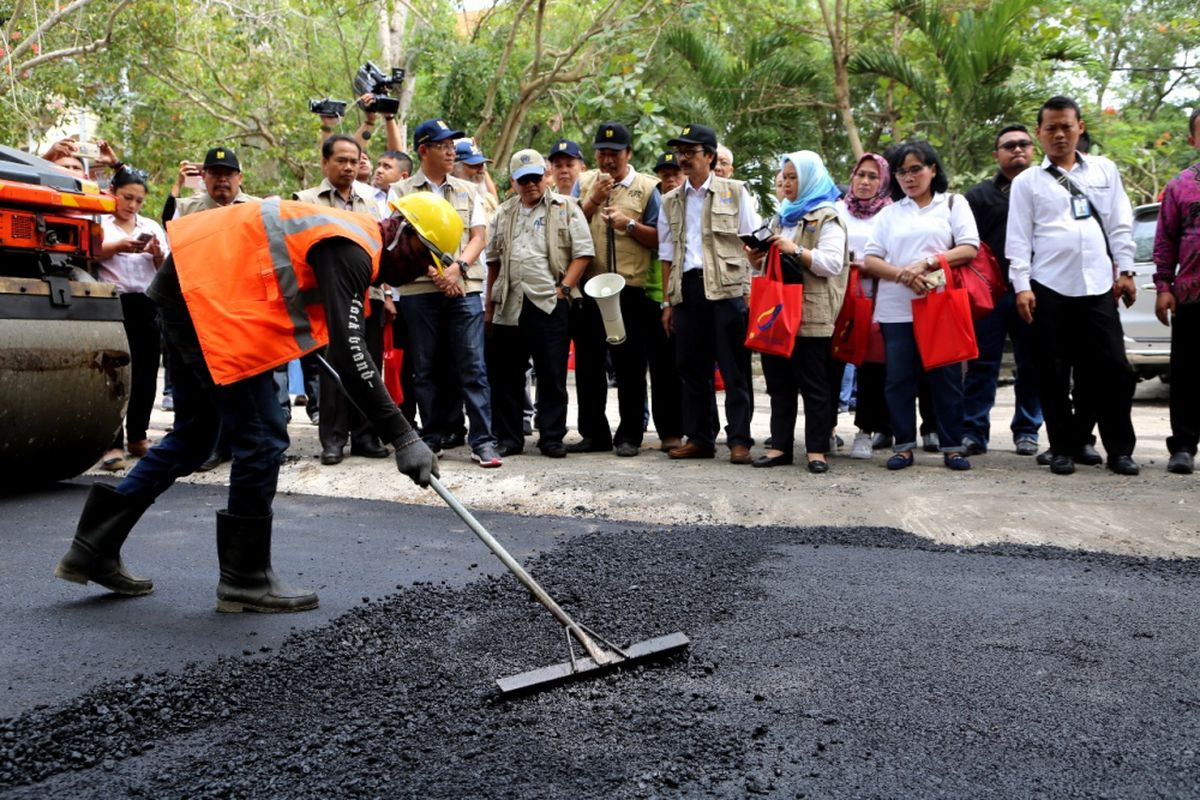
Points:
[434,219]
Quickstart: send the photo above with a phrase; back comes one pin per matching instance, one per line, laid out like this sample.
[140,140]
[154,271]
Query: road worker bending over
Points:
[249,287]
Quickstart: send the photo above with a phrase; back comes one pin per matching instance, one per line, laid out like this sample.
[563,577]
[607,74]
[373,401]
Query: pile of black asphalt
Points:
[824,663]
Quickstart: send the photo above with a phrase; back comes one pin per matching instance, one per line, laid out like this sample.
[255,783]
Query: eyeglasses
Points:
[903,172]
[684,152]
[525,180]
[446,145]
[1020,144]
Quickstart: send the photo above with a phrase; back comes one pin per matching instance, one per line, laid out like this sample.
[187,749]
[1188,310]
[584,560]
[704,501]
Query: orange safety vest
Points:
[245,277]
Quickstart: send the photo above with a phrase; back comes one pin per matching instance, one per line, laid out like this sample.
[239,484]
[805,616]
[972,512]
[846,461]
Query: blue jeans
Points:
[247,411]
[979,385]
[422,315]
[900,389]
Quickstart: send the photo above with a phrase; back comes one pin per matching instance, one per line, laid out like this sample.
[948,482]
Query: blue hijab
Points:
[815,190]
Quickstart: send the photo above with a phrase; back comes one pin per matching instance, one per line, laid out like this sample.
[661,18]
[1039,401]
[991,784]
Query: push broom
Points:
[602,656]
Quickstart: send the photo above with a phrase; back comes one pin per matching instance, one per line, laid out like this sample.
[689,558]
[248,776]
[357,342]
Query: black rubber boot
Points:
[95,554]
[247,581]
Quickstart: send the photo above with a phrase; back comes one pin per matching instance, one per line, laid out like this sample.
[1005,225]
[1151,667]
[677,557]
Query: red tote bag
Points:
[980,277]
[943,328]
[775,309]
[857,337]
[393,359]
[852,329]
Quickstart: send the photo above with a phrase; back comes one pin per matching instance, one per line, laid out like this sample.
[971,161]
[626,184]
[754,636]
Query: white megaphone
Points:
[606,290]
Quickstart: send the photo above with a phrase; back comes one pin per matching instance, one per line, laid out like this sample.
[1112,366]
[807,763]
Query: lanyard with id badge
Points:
[1081,207]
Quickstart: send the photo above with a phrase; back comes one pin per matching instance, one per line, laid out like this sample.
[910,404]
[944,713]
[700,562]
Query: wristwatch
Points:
[366,134]
[931,262]
[630,226]
[566,287]
[1128,273]
[665,304]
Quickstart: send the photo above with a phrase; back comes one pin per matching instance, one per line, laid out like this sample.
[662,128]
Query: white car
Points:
[1147,341]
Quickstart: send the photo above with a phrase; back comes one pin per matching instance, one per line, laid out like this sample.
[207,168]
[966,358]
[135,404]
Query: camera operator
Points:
[65,153]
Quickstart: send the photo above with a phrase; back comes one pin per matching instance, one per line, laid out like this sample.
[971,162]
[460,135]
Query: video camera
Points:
[371,80]
[327,107]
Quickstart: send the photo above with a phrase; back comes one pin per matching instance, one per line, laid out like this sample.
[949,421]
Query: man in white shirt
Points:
[1070,250]
[706,276]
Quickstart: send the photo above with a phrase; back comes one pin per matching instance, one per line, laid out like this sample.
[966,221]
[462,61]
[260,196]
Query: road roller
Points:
[64,358]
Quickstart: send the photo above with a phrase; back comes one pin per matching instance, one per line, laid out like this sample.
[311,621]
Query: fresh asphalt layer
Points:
[851,662]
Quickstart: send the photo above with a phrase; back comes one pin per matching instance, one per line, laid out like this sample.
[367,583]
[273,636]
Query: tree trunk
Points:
[393,35]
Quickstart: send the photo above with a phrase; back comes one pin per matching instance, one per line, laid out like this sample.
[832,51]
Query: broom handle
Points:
[593,650]
[598,655]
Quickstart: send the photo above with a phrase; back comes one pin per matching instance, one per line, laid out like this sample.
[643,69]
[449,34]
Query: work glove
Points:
[415,459]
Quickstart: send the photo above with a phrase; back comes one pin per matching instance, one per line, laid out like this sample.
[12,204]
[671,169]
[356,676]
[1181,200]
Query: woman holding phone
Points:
[134,248]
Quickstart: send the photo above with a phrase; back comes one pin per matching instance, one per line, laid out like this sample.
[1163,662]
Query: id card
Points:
[1080,207]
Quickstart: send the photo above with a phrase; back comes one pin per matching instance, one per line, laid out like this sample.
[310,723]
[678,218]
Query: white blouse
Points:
[131,272]
[904,232]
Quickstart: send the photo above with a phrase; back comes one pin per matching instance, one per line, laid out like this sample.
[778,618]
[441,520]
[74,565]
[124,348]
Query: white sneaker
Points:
[861,448]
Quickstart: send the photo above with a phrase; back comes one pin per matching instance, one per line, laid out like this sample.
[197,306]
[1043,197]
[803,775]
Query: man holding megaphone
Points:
[621,205]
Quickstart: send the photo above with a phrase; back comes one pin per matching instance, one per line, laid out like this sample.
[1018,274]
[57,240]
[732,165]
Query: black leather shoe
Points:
[555,450]
[1181,463]
[588,445]
[331,456]
[772,461]
[1123,465]
[818,467]
[1062,465]
[369,450]
[454,440]
[1043,458]
[1088,456]
[627,449]
[506,450]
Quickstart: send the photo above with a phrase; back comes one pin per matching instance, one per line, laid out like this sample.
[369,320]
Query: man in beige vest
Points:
[338,422]
[539,248]
[447,308]
[706,274]
[566,165]
[621,205]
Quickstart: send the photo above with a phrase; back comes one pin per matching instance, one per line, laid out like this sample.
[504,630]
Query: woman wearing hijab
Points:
[870,193]
[811,238]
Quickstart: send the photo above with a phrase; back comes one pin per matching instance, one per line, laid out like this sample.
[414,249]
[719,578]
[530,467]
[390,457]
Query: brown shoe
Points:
[670,443]
[739,454]
[691,450]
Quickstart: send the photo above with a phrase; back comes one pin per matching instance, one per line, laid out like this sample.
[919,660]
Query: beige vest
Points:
[203,202]
[323,196]
[558,242]
[633,259]
[462,197]
[726,268]
[822,296]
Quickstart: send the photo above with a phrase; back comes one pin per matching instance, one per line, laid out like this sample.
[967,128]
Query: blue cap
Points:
[467,152]
[565,147]
[435,130]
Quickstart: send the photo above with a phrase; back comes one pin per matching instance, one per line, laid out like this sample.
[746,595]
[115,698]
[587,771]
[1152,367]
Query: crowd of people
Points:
[487,338]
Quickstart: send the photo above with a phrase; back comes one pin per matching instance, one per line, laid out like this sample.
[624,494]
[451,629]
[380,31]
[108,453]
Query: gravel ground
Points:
[854,662]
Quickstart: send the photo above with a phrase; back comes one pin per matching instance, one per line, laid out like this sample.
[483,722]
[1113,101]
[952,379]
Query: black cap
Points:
[666,160]
[565,147]
[221,157]
[612,136]
[695,134]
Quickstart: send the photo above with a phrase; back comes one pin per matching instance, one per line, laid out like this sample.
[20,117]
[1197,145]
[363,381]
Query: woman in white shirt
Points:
[134,248]
[905,243]
[811,238]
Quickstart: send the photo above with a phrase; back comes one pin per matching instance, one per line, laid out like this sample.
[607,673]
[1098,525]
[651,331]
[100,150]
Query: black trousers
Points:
[1185,379]
[870,411]
[547,338]
[806,372]
[666,401]
[708,331]
[145,349]
[1080,339]
[340,422]
[629,364]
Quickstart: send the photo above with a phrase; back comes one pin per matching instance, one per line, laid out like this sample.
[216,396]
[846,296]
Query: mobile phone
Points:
[88,150]
[145,237]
